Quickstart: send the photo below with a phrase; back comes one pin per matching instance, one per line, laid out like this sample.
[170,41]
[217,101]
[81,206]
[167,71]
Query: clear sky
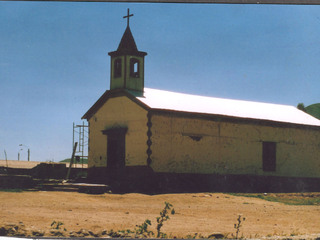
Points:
[54,61]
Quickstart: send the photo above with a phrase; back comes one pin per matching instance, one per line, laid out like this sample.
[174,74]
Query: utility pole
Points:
[19,154]
[5,154]
[22,145]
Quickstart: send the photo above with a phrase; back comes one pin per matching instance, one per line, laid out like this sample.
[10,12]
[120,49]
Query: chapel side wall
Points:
[118,112]
[231,148]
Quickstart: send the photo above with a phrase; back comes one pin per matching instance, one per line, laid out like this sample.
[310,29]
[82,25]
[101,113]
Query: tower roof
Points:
[127,45]
[127,42]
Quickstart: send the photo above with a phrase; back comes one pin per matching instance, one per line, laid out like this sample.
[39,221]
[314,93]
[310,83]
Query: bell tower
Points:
[127,63]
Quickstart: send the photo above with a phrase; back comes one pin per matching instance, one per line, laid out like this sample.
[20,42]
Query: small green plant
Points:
[194,236]
[125,233]
[143,229]
[164,216]
[238,225]
[308,199]
[57,225]
[114,234]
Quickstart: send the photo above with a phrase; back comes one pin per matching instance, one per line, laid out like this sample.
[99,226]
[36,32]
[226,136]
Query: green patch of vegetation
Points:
[288,199]
[11,190]
[314,110]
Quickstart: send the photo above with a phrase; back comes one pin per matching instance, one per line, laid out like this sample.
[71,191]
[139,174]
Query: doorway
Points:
[116,148]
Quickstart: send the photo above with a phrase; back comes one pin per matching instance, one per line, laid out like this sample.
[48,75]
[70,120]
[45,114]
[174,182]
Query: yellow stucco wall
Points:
[195,145]
[118,112]
[231,148]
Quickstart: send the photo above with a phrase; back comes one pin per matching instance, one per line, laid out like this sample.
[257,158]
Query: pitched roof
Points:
[127,42]
[165,100]
[127,45]
[154,99]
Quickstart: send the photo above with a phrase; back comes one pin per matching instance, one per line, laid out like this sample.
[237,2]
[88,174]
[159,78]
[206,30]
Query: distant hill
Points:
[67,160]
[314,110]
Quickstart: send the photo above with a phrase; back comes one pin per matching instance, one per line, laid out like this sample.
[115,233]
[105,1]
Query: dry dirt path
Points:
[202,213]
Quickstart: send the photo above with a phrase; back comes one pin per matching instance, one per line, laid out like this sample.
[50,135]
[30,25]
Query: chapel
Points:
[142,138]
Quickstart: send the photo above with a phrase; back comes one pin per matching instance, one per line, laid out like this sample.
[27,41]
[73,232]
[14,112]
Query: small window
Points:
[269,156]
[134,67]
[117,68]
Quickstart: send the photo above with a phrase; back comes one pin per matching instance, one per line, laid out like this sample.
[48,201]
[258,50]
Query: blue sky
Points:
[54,60]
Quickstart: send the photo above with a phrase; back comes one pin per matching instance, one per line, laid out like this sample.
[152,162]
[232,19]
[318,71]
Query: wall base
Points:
[143,179]
[171,182]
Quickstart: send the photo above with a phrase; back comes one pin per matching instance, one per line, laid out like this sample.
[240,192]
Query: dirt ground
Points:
[32,164]
[201,213]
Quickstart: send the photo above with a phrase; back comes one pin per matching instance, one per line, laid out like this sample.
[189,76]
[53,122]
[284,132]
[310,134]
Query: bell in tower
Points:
[127,64]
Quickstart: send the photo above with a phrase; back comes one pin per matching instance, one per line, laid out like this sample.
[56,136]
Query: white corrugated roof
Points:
[159,99]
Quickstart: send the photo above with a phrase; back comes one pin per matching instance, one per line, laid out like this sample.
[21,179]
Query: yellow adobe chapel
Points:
[142,138]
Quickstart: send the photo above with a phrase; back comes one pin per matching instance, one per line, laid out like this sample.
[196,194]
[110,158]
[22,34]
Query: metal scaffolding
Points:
[80,135]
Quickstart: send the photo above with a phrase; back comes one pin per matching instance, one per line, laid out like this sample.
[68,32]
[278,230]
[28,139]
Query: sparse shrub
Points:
[13,230]
[114,234]
[238,225]
[56,225]
[56,233]
[143,229]
[164,216]
[194,236]
[38,233]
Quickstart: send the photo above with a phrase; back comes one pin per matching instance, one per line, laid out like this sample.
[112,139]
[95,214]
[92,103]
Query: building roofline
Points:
[112,94]
[231,119]
[207,116]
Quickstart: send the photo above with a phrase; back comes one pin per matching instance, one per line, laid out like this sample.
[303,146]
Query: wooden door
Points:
[116,148]
[116,152]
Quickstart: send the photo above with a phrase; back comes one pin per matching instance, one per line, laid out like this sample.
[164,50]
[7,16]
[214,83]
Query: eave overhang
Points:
[127,52]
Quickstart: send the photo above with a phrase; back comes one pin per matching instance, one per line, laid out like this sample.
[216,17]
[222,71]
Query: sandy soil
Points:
[202,213]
